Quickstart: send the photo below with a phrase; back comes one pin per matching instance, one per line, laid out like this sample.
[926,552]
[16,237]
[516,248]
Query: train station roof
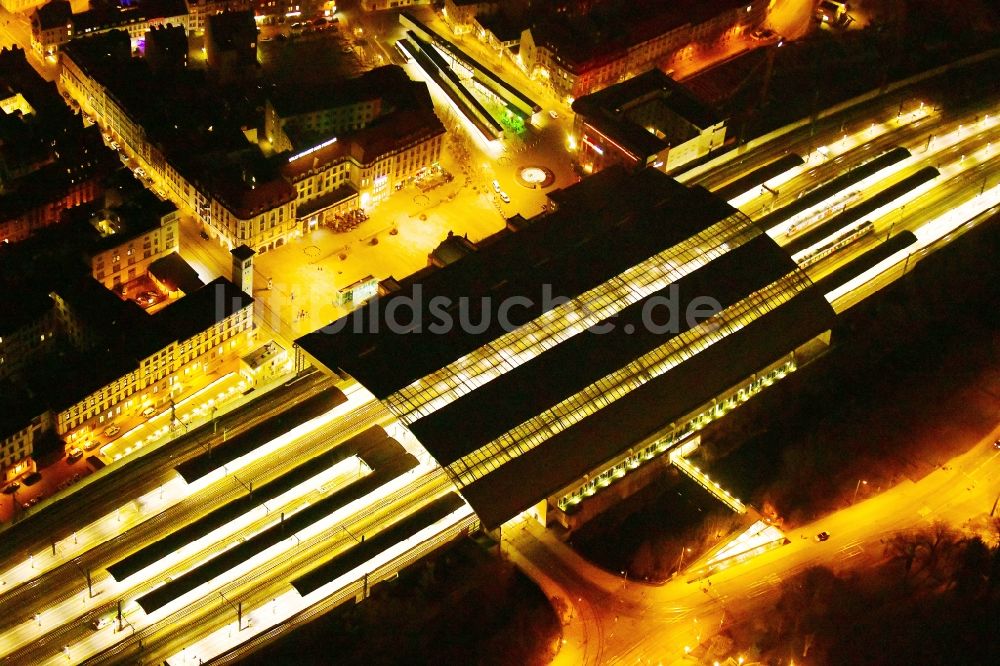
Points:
[672,298]
[606,224]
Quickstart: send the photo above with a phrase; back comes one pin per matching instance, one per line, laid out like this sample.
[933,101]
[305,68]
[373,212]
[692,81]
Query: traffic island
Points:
[534,177]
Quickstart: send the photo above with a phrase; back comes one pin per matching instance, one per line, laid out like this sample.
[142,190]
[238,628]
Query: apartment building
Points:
[460,14]
[188,337]
[577,55]
[53,25]
[200,10]
[240,196]
[364,168]
[125,241]
[648,120]
[48,161]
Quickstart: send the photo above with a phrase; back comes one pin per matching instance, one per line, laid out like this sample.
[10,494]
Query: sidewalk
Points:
[573,650]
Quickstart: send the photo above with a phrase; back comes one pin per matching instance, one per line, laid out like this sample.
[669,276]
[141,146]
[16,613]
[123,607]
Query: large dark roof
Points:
[604,225]
[606,110]
[120,15]
[176,273]
[389,83]
[516,396]
[570,454]
[55,14]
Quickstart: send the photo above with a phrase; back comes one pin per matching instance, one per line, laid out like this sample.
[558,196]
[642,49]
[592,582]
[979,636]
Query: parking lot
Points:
[306,56]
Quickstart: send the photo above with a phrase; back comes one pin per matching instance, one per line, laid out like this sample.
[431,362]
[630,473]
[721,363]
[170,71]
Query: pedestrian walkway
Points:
[678,459]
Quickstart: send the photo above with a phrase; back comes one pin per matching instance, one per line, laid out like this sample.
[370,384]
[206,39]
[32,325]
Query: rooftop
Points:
[613,112]
[115,14]
[605,33]
[126,334]
[140,214]
[368,144]
[176,273]
[614,222]
[517,413]
[389,83]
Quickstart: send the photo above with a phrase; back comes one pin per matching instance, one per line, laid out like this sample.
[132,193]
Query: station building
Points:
[648,120]
[558,363]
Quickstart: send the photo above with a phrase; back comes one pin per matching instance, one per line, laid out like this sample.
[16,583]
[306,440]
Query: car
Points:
[12,488]
[149,411]
[504,198]
[111,431]
[203,234]
[764,34]
[996,444]
[553,114]
[822,536]
[100,623]
[114,145]
[496,186]
[147,298]
[73,454]
[139,171]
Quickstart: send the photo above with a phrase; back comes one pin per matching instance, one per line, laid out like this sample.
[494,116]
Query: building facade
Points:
[160,375]
[48,35]
[648,120]
[379,5]
[575,64]
[461,14]
[131,253]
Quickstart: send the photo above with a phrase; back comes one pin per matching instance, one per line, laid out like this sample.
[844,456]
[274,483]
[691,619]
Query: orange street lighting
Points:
[856,488]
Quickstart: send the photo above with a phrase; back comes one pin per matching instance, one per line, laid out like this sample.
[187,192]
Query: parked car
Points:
[496,186]
[149,411]
[764,34]
[147,298]
[822,536]
[553,114]
[100,623]
[111,431]
[12,488]
[504,198]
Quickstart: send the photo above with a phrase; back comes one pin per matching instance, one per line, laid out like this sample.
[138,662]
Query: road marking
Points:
[850,550]
[765,585]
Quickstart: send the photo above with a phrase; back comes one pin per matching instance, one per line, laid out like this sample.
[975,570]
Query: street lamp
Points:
[856,488]
[680,560]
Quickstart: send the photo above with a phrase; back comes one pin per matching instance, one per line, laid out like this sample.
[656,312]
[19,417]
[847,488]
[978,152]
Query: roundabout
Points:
[535,177]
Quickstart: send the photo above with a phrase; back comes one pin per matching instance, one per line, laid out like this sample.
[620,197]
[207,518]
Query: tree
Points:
[902,548]
[972,570]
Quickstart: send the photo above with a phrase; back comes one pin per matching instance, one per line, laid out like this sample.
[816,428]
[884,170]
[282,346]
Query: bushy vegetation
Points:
[934,599]
[461,606]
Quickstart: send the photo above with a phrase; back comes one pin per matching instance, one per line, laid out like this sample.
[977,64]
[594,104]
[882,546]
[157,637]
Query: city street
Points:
[612,620]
